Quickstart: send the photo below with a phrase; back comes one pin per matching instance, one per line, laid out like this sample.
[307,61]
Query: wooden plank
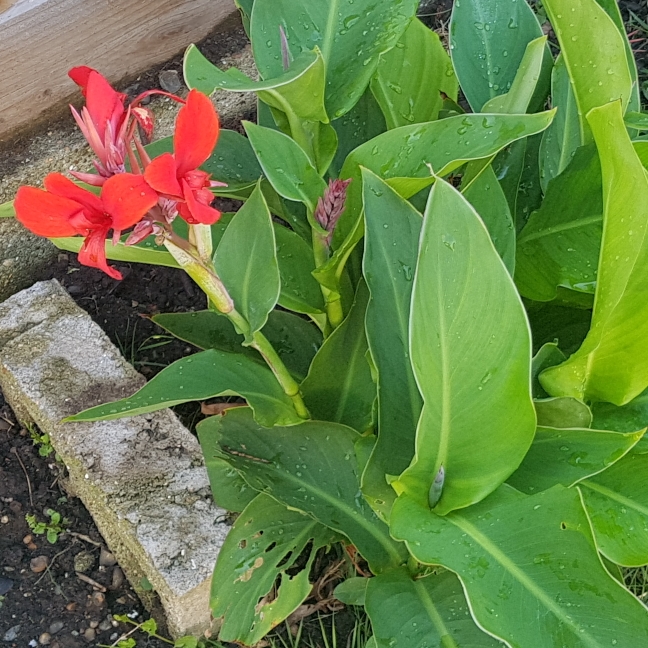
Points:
[40,40]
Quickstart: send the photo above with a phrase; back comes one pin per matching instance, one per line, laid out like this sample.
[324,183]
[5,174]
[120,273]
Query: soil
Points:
[35,603]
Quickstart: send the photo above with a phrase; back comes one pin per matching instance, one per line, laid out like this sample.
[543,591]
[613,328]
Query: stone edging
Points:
[142,478]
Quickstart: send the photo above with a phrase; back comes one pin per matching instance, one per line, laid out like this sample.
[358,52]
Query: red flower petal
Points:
[199,212]
[127,197]
[161,174]
[196,132]
[93,253]
[80,76]
[61,186]
[104,103]
[44,213]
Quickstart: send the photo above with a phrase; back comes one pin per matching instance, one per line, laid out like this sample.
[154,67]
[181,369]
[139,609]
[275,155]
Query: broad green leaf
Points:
[245,7]
[266,541]
[145,252]
[392,229]
[548,355]
[594,54]
[7,210]
[298,91]
[612,363]
[411,77]
[563,137]
[637,120]
[551,574]
[628,418]
[229,490]
[525,82]
[561,242]
[362,123]
[471,354]
[351,37]
[569,455]
[286,165]
[617,503]
[422,612]
[233,162]
[562,413]
[199,377]
[295,340]
[487,198]
[339,386]
[299,290]
[352,591]
[445,145]
[246,262]
[309,467]
[488,39]
[529,196]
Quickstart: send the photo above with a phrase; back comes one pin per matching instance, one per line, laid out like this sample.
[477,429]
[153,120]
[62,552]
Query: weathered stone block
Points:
[142,478]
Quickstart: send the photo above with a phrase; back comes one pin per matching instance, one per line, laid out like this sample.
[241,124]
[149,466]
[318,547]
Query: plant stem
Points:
[332,298]
[287,382]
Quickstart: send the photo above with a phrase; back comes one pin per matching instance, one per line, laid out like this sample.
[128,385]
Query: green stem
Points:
[332,298]
[287,382]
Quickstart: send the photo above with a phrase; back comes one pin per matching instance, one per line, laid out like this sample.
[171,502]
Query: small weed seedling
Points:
[45,448]
[52,529]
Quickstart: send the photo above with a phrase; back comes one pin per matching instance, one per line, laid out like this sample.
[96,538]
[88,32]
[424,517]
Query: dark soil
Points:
[36,601]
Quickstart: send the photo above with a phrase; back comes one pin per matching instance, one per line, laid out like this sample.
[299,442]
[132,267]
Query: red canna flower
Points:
[177,176]
[65,209]
[106,123]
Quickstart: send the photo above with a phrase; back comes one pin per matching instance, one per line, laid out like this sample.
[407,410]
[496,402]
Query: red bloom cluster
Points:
[170,184]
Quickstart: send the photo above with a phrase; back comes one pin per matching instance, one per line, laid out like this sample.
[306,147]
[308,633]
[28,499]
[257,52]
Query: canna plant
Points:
[433,304]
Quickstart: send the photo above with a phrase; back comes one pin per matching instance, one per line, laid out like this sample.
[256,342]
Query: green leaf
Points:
[567,456]
[233,162]
[563,137]
[562,413]
[422,612]
[473,372]
[199,377]
[617,503]
[7,210]
[637,120]
[350,36]
[594,54]
[612,363]
[339,386]
[393,228]
[309,467]
[488,39]
[529,196]
[549,355]
[551,574]
[561,242]
[403,154]
[246,262]
[149,626]
[628,418]
[266,541]
[352,591]
[410,78]
[229,490]
[487,198]
[286,165]
[186,642]
[525,82]
[300,292]
[295,340]
[299,90]
[362,123]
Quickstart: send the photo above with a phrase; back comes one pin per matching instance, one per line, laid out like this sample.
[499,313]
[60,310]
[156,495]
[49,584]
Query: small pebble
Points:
[55,627]
[94,624]
[114,636]
[31,546]
[11,634]
[97,599]
[39,564]
[89,634]
[117,578]
[70,607]
[5,585]
[170,81]
[45,639]
[105,625]
[16,507]
[107,559]
[27,539]
[83,562]
[4,519]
